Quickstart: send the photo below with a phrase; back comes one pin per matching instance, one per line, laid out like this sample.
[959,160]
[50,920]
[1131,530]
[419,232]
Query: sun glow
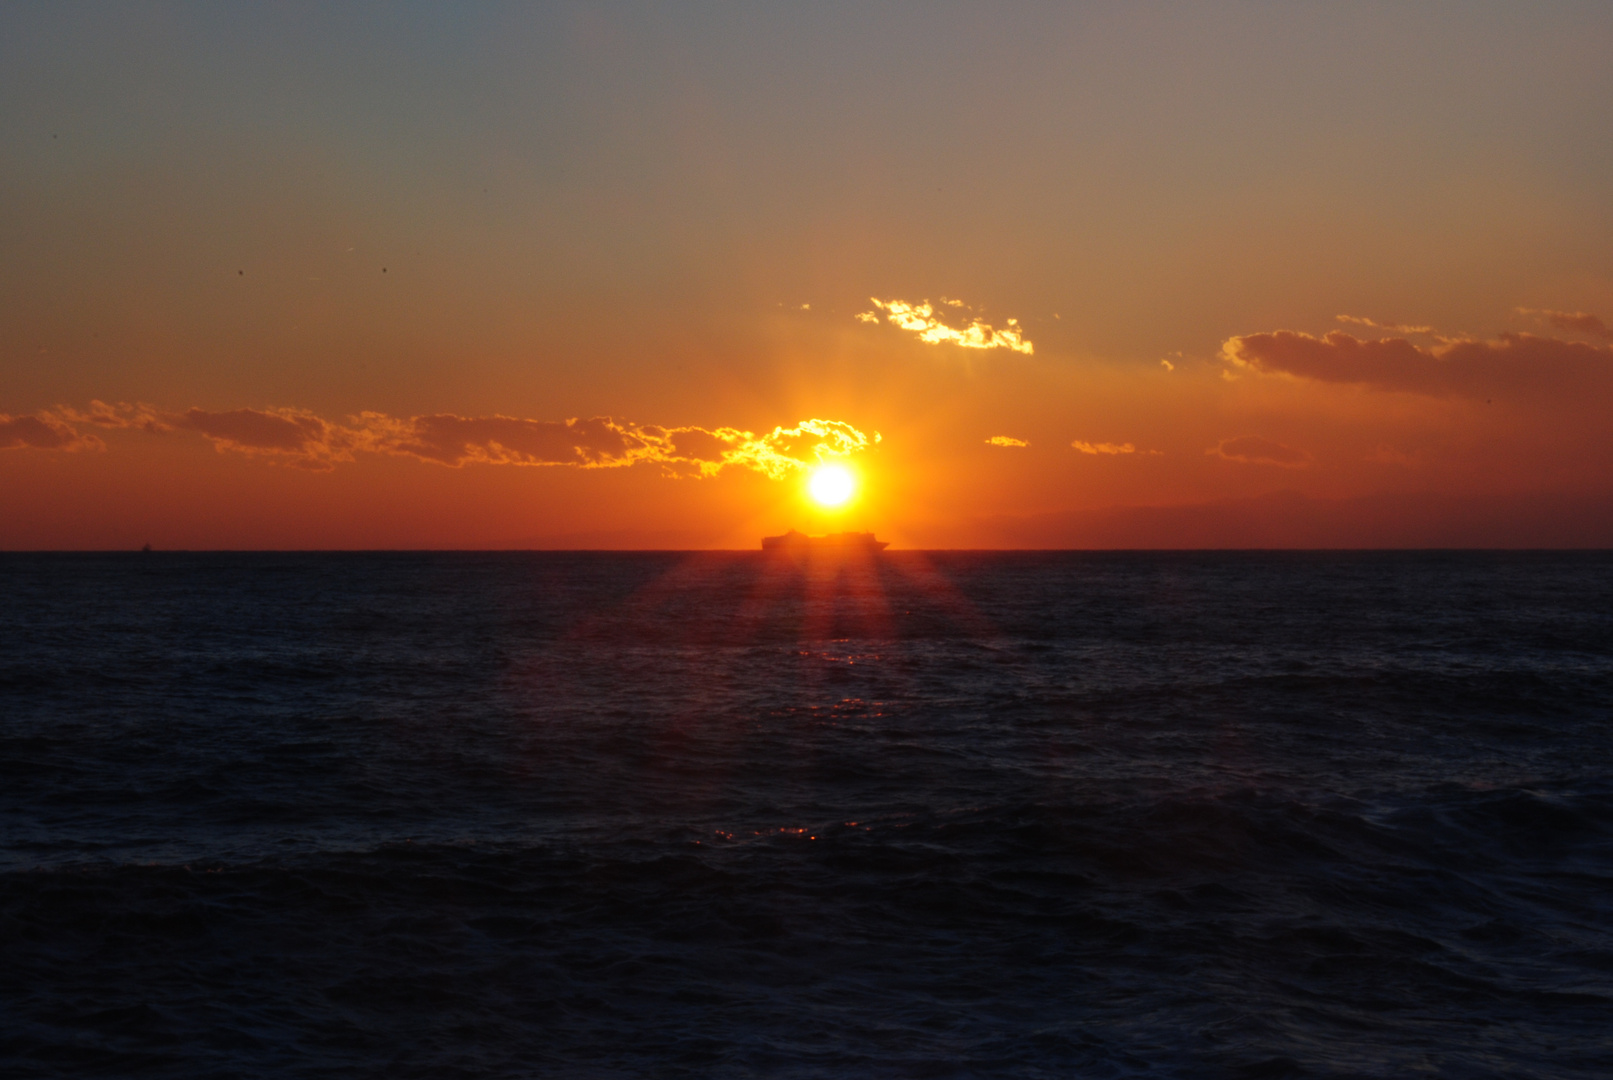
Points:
[831,485]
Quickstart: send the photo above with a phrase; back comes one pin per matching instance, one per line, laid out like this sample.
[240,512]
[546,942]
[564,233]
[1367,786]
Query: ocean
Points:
[721,815]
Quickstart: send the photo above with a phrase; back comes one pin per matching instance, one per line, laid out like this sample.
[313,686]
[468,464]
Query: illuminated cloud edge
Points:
[920,319]
[1393,328]
[301,438]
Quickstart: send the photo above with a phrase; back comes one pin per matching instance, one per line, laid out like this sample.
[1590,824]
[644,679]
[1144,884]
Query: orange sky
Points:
[1240,275]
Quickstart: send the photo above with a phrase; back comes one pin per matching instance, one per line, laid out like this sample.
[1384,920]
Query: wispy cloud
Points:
[921,319]
[1005,440]
[1575,321]
[1254,450]
[1104,447]
[301,438]
[1393,328]
[1516,363]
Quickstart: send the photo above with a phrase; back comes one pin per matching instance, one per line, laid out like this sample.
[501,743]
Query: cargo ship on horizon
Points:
[844,541]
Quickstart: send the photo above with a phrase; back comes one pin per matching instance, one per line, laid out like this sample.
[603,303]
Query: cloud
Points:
[447,439]
[1254,450]
[1572,320]
[43,431]
[602,442]
[1512,363]
[1104,447]
[784,449]
[121,415]
[921,320]
[1394,328]
[301,438]
[1005,440]
[294,435]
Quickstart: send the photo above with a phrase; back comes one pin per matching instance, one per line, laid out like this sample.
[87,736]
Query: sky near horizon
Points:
[620,275]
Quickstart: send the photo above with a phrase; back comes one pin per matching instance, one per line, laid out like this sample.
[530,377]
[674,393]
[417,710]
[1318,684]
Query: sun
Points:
[831,485]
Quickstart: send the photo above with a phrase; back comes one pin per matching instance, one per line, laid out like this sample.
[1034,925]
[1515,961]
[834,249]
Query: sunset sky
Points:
[594,275]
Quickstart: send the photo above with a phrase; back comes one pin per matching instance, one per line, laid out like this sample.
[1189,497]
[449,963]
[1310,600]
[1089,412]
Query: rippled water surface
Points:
[622,815]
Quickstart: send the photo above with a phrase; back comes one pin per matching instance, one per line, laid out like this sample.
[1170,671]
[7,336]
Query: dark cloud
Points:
[1512,363]
[251,429]
[42,432]
[447,439]
[698,444]
[293,435]
[121,415]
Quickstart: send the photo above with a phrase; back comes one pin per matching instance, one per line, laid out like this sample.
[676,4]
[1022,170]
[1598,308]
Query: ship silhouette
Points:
[844,541]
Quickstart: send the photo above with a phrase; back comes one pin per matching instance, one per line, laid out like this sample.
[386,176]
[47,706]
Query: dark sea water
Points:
[934,815]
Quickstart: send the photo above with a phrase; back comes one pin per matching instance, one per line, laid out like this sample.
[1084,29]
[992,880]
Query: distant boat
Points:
[846,541]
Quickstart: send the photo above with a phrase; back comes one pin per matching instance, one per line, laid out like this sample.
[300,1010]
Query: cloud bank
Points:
[920,319]
[301,438]
[1520,364]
